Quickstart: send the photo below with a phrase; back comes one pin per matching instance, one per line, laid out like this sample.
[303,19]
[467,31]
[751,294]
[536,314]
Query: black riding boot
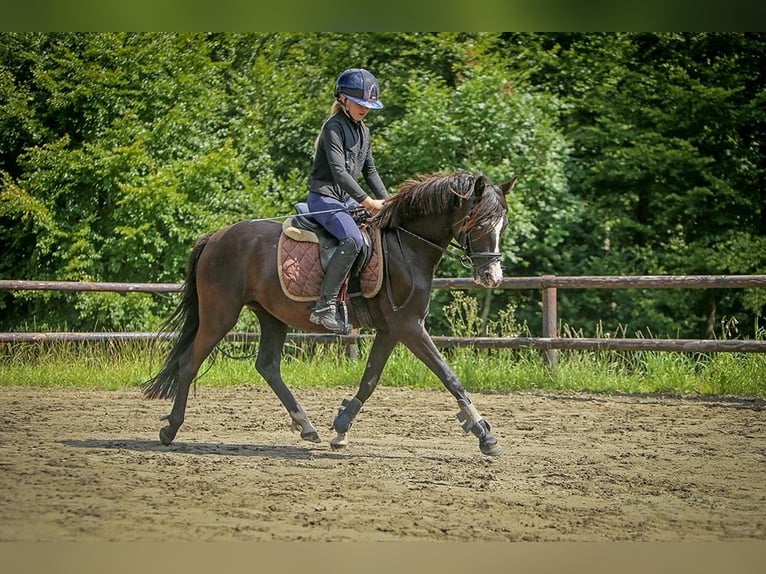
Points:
[325,310]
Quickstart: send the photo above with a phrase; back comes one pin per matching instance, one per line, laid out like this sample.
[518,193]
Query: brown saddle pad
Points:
[301,273]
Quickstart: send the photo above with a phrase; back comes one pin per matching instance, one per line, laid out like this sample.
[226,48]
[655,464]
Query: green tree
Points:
[133,162]
[666,132]
[636,153]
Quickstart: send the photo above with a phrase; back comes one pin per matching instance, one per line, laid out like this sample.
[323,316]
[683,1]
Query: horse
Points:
[236,267]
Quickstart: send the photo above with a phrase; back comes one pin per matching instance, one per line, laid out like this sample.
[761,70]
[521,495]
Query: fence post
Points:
[352,349]
[550,320]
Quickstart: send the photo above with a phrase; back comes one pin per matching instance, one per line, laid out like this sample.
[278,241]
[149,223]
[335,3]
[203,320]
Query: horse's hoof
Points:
[166,437]
[339,442]
[490,448]
[311,436]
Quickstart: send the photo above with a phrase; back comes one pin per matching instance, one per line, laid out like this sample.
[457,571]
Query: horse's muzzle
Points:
[489,276]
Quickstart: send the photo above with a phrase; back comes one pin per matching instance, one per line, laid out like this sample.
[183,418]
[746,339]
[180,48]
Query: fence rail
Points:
[541,282]
[550,342]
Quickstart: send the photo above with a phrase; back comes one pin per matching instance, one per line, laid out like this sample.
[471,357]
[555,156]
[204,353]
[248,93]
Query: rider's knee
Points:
[351,243]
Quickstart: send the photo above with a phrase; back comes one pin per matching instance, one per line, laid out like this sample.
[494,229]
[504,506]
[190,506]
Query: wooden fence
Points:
[548,285]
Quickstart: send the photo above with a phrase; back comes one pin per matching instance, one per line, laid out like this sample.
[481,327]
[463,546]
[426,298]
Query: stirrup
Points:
[329,319]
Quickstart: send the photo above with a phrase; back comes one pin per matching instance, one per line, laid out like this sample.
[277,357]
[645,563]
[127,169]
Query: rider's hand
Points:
[373,205]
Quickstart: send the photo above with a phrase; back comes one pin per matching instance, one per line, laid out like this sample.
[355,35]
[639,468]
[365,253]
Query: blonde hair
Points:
[336,107]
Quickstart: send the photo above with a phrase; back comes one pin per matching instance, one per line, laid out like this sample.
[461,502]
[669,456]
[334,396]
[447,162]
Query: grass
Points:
[116,365]
[120,365]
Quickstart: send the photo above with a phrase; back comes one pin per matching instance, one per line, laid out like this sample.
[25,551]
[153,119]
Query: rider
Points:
[342,154]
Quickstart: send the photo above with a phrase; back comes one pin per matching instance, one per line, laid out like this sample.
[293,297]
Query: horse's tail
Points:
[184,320]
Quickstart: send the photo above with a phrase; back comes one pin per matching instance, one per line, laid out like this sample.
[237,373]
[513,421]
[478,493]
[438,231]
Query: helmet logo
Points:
[373,97]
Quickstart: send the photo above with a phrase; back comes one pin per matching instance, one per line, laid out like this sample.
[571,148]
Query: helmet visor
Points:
[371,104]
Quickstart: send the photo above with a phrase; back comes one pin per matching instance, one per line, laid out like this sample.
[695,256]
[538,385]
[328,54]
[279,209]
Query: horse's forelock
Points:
[486,212]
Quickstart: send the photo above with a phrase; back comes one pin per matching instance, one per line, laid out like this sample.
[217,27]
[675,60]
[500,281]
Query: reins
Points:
[309,213]
[464,257]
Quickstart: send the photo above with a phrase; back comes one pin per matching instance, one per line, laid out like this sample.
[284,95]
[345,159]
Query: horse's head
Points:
[473,209]
[479,227]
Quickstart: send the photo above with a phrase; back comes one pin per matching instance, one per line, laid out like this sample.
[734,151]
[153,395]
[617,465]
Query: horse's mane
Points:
[436,194]
[424,195]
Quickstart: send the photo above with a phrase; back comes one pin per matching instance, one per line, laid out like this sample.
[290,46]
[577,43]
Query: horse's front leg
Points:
[422,346]
[382,346]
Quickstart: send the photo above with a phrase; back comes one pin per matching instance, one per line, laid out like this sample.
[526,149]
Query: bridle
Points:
[468,256]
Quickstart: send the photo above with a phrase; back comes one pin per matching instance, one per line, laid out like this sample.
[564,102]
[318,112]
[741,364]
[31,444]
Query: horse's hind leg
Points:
[189,364]
[217,315]
[382,347]
[268,364]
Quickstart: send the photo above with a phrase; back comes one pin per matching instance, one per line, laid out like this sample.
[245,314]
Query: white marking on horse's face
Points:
[495,270]
[493,275]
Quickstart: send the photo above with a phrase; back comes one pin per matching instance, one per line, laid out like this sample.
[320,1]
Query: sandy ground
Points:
[87,465]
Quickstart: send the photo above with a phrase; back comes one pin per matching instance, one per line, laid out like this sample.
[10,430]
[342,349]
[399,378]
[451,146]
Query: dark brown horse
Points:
[237,267]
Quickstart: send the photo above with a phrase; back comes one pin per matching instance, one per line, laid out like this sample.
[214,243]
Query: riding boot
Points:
[325,311]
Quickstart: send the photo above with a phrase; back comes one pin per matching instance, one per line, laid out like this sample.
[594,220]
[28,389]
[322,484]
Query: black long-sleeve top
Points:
[343,154]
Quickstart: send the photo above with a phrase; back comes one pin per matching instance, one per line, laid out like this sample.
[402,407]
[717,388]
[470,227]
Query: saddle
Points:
[304,250]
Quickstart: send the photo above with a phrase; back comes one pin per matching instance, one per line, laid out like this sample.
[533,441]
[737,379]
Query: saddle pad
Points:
[301,274]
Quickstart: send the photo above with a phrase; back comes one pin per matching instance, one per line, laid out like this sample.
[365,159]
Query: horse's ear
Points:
[479,185]
[508,186]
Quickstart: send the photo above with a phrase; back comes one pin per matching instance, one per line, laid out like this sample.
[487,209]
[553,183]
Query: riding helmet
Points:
[359,86]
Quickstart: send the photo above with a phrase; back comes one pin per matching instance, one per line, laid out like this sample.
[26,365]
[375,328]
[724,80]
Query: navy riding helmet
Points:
[359,86]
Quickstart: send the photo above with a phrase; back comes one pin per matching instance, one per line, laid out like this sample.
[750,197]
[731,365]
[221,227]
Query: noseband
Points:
[487,258]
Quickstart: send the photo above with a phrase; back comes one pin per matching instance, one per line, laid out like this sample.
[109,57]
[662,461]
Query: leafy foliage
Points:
[636,154]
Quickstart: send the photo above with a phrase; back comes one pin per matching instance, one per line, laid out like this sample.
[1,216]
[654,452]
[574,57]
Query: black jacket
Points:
[343,154]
